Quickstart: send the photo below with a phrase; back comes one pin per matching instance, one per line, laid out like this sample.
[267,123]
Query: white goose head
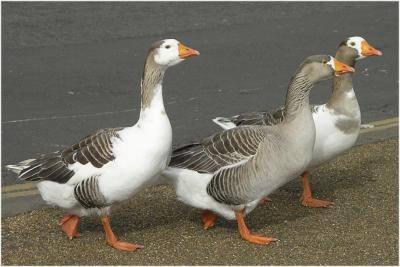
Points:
[170,52]
[360,48]
[162,54]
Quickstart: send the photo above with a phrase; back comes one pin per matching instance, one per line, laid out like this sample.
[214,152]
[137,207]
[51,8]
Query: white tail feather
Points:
[20,166]
[224,123]
[15,168]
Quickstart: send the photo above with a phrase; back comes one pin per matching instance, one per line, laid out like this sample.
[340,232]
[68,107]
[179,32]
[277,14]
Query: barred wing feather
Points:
[220,150]
[272,117]
[95,149]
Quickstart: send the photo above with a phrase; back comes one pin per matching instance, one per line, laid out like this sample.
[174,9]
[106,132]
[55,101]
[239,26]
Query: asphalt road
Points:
[69,69]
[360,229]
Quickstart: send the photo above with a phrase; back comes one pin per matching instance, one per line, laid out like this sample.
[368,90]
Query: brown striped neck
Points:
[297,97]
[152,78]
[343,84]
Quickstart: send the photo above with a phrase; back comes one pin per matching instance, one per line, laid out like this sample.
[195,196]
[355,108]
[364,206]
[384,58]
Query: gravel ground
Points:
[361,229]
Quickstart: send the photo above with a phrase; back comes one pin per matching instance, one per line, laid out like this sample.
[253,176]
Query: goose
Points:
[229,172]
[112,164]
[337,122]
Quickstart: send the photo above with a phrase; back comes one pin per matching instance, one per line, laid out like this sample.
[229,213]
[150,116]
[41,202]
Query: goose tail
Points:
[17,168]
[224,123]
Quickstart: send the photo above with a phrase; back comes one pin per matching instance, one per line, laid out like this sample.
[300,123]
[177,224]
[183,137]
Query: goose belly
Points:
[332,138]
[62,195]
[191,189]
[139,158]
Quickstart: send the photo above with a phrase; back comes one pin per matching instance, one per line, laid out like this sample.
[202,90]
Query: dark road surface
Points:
[71,68]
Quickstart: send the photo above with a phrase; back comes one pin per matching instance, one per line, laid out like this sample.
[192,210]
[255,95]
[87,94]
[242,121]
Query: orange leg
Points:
[245,232]
[208,218]
[112,239]
[69,224]
[306,198]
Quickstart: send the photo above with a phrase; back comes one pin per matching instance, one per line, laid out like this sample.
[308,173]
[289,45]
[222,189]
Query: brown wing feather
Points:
[95,149]
[219,150]
[272,117]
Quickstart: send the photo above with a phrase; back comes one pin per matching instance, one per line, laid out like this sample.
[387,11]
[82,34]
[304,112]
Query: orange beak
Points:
[368,50]
[185,51]
[341,68]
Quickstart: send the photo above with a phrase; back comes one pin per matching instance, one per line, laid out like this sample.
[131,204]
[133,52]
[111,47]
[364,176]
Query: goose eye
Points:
[352,43]
[168,46]
[324,61]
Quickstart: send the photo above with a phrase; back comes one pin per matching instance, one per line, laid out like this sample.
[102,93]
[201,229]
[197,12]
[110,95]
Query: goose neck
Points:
[297,97]
[151,86]
[342,86]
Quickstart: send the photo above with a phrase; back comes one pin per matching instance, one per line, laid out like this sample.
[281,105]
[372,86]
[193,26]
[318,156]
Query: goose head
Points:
[170,52]
[355,48]
[323,67]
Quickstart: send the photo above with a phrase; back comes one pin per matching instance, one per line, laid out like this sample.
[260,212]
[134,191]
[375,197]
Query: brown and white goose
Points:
[337,122]
[112,164]
[229,172]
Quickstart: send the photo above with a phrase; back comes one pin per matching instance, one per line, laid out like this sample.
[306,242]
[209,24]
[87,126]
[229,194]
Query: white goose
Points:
[112,164]
[231,171]
[337,122]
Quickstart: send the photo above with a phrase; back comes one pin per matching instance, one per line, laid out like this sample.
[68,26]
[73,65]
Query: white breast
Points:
[330,140]
[143,152]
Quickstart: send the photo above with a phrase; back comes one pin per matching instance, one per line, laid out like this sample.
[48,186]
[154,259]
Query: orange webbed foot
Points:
[69,224]
[124,246]
[113,241]
[306,198]
[315,203]
[247,235]
[208,218]
[65,218]
[259,239]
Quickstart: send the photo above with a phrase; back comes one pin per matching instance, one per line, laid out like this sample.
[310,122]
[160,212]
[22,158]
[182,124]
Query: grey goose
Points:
[337,122]
[229,172]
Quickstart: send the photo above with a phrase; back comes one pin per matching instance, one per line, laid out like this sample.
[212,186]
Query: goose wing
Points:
[221,150]
[94,149]
[267,118]
[254,118]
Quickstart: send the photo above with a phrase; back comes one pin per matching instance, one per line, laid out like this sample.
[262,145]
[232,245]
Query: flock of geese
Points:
[226,174]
